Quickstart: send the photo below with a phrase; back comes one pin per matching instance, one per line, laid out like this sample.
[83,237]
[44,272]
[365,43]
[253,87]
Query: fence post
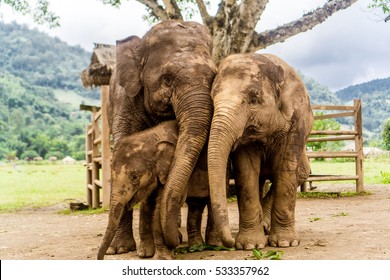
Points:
[95,162]
[359,144]
[88,159]
[106,149]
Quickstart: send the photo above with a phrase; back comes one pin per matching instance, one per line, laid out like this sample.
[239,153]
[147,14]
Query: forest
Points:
[40,93]
[35,70]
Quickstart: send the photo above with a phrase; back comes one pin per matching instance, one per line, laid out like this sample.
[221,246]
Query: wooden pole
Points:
[95,164]
[106,149]
[359,144]
[88,162]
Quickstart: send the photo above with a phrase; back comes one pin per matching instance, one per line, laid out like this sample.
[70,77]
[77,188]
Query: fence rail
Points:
[355,135]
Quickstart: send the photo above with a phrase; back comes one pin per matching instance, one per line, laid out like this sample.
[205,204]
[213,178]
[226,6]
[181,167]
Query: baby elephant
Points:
[140,166]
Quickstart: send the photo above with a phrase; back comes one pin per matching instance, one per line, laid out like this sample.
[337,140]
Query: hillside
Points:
[40,93]
[375,96]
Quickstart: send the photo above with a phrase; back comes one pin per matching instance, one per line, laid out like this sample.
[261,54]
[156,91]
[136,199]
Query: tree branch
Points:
[172,9]
[203,12]
[305,23]
[248,16]
[156,9]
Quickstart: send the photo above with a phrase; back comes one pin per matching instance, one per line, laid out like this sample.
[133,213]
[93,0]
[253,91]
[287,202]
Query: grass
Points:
[37,185]
[376,170]
[43,183]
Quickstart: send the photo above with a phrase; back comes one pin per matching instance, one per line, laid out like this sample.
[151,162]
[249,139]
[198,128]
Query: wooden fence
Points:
[98,151]
[355,135]
[98,154]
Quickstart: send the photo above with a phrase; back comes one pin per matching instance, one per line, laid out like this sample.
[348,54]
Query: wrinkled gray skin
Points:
[140,167]
[139,171]
[262,112]
[165,75]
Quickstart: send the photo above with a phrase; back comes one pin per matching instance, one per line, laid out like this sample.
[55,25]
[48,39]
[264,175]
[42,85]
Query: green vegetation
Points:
[40,92]
[38,10]
[341,214]
[375,169]
[325,124]
[375,96]
[386,134]
[268,255]
[38,185]
[201,248]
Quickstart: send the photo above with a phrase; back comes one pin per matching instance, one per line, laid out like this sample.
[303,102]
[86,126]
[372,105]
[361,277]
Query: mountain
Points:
[40,93]
[319,94]
[375,96]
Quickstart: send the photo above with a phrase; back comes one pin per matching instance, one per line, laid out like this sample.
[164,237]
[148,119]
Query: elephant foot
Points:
[121,247]
[249,239]
[283,238]
[146,248]
[123,243]
[163,253]
[212,238]
[194,238]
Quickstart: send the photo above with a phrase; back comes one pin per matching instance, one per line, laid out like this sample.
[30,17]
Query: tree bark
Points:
[233,26]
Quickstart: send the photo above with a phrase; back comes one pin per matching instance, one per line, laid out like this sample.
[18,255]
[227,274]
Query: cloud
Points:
[350,47]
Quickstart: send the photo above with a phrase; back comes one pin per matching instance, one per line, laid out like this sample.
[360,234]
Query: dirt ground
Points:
[348,228]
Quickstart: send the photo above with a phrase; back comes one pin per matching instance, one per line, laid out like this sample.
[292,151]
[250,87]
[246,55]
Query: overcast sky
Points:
[352,46]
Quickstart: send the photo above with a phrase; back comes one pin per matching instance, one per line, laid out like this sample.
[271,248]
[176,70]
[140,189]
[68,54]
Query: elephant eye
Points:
[134,178]
[254,96]
[167,80]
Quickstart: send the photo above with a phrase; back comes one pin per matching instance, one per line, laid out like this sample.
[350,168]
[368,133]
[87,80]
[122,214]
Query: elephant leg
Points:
[283,233]
[266,205]
[124,240]
[162,251]
[146,247]
[246,163]
[196,207]
[212,235]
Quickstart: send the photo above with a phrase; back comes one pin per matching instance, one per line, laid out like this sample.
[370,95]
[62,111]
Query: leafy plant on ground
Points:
[268,255]
[201,248]
[385,177]
[314,219]
[341,214]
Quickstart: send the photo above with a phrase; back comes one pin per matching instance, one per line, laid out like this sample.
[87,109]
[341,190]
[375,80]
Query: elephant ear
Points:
[165,151]
[127,66]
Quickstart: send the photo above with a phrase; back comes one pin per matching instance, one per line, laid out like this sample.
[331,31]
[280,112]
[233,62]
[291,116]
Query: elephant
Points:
[140,167]
[262,118]
[167,74]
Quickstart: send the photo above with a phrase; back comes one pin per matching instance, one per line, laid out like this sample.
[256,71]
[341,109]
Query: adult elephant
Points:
[167,74]
[262,112]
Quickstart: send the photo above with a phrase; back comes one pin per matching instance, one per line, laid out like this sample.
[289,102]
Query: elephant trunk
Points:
[193,112]
[115,215]
[227,126]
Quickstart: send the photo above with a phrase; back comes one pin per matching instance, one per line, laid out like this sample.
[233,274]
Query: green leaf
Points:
[258,254]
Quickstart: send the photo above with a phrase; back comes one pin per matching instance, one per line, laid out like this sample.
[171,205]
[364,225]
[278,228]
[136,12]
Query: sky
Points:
[351,47]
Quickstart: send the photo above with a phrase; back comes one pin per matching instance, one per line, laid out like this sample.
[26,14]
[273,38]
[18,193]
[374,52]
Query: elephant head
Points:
[257,99]
[140,164]
[171,67]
